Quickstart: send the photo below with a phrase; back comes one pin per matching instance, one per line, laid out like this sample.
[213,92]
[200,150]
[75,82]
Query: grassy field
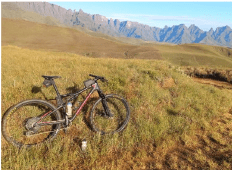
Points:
[175,123]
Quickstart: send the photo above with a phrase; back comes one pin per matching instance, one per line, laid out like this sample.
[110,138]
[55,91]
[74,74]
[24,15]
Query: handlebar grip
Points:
[91,75]
[98,77]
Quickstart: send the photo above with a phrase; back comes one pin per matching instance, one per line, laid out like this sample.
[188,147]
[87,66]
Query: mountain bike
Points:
[34,121]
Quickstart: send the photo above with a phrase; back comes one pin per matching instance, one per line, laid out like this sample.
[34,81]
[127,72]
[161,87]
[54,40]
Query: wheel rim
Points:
[18,125]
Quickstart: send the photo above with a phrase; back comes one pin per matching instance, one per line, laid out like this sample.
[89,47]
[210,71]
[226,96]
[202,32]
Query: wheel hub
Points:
[30,124]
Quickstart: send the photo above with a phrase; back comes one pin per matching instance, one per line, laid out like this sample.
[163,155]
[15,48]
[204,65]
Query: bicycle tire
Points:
[106,125]
[19,118]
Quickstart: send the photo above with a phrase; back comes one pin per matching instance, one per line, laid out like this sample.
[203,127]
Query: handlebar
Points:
[98,78]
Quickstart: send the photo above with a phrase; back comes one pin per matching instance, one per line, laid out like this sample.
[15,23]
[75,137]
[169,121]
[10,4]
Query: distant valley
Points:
[56,15]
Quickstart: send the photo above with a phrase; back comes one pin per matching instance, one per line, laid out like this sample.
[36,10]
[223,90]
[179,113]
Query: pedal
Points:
[66,130]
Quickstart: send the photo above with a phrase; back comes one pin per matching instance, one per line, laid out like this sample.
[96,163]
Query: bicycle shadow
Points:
[73,88]
[38,89]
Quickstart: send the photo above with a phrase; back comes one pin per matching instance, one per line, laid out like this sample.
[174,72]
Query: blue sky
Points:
[205,15]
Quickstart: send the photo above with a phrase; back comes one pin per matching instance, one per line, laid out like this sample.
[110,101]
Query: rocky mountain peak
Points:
[175,34]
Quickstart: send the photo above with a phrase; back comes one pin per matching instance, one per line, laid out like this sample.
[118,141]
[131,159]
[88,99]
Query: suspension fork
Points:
[104,103]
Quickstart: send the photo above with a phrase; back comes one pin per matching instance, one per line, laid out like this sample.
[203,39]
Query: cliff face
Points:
[47,9]
[177,34]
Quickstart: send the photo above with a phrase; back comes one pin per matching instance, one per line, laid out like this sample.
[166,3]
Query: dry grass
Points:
[175,122]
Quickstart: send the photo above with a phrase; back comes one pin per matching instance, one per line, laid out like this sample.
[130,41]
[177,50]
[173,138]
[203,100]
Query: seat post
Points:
[57,91]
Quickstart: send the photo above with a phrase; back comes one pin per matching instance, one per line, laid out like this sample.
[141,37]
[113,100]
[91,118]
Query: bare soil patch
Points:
[224,75]
[216,83]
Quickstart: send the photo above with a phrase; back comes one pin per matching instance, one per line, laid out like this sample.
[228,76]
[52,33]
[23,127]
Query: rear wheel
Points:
[18,123]
[105,124]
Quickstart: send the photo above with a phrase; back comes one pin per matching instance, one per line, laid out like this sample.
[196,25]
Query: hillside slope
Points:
[40,36]
[197,55]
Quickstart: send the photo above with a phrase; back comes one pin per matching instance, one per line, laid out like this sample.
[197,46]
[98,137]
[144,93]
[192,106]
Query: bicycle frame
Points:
[62,104]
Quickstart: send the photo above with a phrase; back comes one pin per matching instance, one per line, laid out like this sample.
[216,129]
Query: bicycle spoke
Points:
[20,121]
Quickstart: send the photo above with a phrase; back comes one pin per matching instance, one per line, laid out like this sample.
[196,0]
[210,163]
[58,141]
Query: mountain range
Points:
[177,34]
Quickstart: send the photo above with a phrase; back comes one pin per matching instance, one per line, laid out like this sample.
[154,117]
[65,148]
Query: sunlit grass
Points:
[165,106]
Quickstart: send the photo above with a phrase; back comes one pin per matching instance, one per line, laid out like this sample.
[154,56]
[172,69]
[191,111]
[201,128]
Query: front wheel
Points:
[18,123]
[118,119]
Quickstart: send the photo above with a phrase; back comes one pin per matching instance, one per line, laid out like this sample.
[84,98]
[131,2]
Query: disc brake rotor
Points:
[30,124]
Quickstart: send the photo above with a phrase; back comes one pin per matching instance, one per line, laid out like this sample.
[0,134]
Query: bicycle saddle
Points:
[50,77]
